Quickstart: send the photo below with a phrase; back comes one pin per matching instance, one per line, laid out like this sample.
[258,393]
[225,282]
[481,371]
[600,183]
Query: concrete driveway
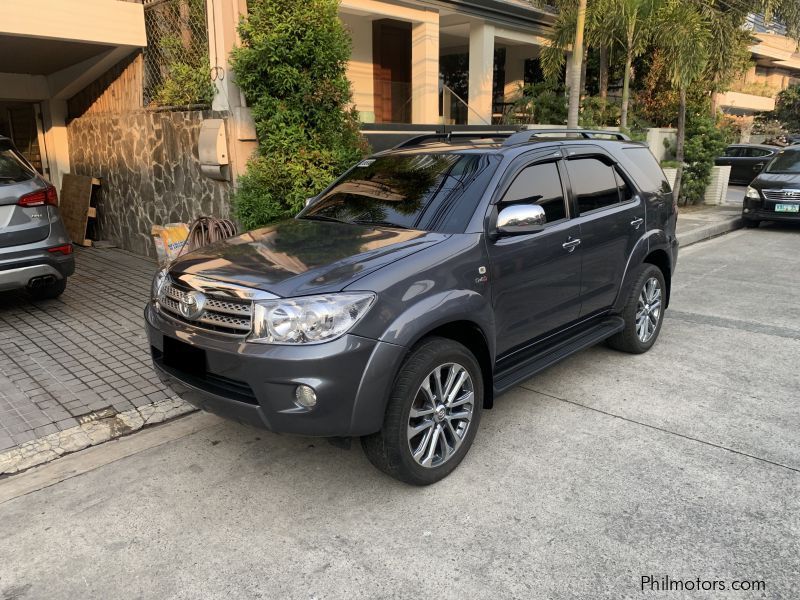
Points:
[681,463]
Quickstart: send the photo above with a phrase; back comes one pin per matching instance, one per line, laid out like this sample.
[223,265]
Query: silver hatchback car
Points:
[35,251]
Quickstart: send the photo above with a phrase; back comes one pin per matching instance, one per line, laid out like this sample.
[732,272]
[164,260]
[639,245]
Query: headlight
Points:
[752,193]
[158,283]
[308,320]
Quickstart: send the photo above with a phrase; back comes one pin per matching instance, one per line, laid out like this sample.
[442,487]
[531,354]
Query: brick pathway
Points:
[61,360]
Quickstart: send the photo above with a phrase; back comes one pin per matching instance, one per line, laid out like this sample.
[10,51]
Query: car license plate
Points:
[787,208]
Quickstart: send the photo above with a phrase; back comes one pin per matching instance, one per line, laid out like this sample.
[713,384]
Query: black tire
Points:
[49,291]
[628,339]
[751,224]
[389,449]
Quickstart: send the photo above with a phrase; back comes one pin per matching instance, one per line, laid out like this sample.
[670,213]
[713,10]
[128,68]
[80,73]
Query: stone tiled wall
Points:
[150,172]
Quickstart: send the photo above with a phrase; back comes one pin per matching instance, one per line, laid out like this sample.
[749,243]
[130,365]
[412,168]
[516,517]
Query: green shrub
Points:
[291,67]
[541,103]
[787,108]
[704,142]
[599,112]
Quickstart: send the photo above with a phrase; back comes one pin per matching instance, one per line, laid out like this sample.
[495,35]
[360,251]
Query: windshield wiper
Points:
[379,223]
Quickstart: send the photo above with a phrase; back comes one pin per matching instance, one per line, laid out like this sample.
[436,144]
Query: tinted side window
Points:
[732,151]
[540,184]
[594,184]
[645,170]
[625,191]
[757,152]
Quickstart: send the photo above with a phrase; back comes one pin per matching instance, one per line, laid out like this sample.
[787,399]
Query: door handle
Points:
[637,222]
[570,245]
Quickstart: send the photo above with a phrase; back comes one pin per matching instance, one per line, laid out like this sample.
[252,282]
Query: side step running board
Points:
[549,355]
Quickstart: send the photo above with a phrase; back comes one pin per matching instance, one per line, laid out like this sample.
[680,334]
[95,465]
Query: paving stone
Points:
[83,353]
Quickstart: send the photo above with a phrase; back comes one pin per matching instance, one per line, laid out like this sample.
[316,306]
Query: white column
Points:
[515,69]
[54,117]
[223,19]
[425,71]
[481,71]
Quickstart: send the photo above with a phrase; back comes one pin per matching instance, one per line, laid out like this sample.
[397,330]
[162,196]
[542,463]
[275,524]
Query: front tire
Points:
[432,415]
[643,312]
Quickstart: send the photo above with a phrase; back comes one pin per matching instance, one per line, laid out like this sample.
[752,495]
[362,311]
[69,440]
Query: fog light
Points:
[306,396]
[746,210]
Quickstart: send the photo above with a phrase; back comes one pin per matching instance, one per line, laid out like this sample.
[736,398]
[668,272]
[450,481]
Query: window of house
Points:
[594,184]
[539,184]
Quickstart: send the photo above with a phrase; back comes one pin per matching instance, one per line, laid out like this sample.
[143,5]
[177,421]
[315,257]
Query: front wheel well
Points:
[472,337]
[660,259]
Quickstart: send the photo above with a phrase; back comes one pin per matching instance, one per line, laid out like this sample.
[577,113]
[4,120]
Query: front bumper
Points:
[255,383]
[755,210]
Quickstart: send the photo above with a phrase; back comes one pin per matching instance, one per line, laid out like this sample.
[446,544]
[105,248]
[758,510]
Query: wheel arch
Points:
[660,258]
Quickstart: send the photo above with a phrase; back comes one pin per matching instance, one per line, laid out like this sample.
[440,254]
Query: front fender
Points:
[440,309]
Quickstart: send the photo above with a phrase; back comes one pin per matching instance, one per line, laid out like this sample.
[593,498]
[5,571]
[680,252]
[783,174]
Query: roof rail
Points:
[418,139]
[527,135]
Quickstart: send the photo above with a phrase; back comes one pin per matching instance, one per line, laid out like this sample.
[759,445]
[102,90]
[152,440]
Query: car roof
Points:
[762,146]
[505,143]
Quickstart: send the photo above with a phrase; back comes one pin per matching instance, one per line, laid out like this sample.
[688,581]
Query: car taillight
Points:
[65,249]
[40,198]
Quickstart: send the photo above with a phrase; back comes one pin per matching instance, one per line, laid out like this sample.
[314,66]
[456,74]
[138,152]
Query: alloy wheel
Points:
[440,415]
[648,311]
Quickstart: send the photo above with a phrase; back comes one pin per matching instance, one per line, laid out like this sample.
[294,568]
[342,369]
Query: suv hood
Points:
[302,257]
[768,181]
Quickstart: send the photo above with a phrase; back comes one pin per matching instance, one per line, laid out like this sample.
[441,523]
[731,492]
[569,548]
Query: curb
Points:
[700,234]
[95,429]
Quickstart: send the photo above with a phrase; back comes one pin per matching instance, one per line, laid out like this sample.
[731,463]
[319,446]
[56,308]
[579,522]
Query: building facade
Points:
[776,66]
[441,61]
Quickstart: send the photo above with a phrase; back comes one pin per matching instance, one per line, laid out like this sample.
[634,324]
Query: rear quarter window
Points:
[13,168]
[645,170]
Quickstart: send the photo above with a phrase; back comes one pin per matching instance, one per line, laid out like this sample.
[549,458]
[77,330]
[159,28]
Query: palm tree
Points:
[628,24]
[685,39]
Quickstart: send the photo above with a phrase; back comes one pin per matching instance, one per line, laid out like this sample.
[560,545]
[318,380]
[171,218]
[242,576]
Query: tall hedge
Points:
[291,67]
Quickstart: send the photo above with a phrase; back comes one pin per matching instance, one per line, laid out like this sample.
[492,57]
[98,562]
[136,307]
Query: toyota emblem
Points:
[192,305]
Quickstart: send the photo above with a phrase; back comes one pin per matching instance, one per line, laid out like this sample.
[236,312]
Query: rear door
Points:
[751,164]
[611,218]
[730,158]
[19,225]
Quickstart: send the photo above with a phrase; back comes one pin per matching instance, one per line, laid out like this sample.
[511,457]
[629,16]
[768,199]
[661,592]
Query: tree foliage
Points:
[291,67]
[787,108]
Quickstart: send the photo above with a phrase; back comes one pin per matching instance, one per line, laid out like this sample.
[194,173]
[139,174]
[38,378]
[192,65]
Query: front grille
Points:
[782,195]
[223,315]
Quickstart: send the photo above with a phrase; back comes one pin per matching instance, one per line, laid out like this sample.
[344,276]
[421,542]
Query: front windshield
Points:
[418,191]
[785,162]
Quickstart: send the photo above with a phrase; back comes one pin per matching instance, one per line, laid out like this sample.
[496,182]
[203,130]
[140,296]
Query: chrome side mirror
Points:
[518,219]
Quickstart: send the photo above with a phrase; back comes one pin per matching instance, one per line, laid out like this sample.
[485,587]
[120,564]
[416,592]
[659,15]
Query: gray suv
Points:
[35,251]
[418,287]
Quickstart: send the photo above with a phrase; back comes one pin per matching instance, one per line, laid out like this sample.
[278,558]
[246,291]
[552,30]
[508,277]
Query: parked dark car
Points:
[745,160]
[35,251]
[775,194]
[418,287]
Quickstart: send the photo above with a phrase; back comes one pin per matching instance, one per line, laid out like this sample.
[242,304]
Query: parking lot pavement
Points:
[63,362]
[683,462]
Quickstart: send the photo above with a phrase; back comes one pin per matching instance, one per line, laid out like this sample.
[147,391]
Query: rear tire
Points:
[643,312]
[50,291]
[429,427]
